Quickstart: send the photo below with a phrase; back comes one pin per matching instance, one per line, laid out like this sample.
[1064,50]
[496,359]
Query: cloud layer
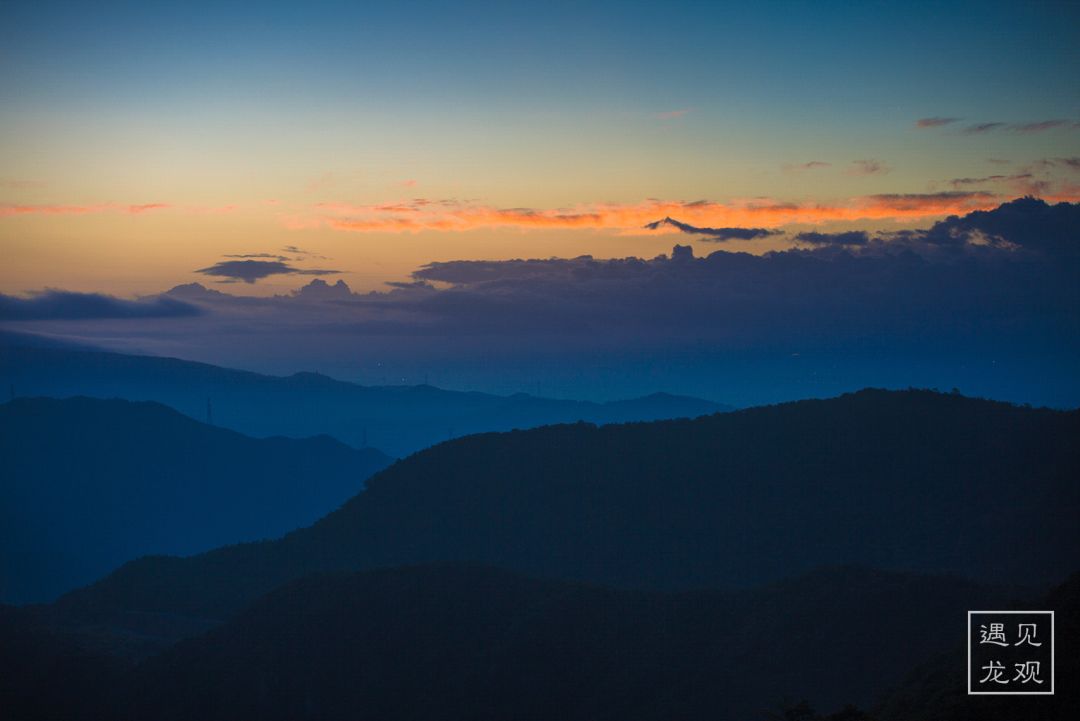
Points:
[851,237]
[66,305]
[994,290]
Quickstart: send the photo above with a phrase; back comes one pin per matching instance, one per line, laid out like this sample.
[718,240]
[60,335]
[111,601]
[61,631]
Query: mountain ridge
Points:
[397,419]
[92,483]
[683,504]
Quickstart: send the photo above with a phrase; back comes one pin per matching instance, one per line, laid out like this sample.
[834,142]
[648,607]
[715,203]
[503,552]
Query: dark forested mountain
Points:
[937,688]
[89,484]
[467,642]
[456,643]
[912,480]
[50,674]
[396,419]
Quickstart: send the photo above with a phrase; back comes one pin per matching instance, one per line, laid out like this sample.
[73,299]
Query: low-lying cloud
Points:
[67,305]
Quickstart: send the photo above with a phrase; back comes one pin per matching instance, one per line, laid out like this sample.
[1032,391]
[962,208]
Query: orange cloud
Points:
[8,210]
[1067,193]
[422,214]
[135,209]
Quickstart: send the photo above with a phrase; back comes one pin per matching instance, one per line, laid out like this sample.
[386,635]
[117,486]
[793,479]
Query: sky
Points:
[255,149]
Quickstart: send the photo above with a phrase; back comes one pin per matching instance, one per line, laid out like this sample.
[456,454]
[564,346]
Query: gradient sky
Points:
[256,149]
[140,142]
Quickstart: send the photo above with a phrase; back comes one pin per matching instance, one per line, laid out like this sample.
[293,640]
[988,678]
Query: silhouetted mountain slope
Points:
[397,419]
[45,674]
[89,484]
[457,642]
[937,689]
[449,642]
[902,480]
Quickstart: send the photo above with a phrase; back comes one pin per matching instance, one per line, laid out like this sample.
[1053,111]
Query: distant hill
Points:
[89,484]
[396,419]
[15,339]
[914,481]
[466,642]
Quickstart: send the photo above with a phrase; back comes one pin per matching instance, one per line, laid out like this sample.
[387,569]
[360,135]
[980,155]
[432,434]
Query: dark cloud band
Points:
[851,237]
[250,271]
[66,305]
[714,234]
